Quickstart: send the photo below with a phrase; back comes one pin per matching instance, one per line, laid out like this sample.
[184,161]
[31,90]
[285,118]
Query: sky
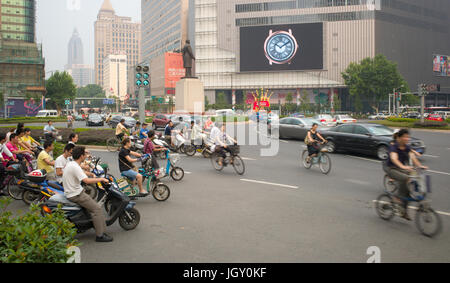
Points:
[57,19]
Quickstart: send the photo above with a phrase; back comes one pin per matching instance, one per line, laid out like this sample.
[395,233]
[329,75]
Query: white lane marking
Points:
[438,172]
[432,156]
[248,159]
[189,173]
[416,208]
[98,150]
[358,182]
[270,184]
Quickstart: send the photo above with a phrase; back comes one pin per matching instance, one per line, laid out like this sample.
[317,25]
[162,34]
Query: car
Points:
[95,120]
[148,113]
[326,120]
[129,121]
[225,112]
[379,116]
[160,121]
[294,128]
[435,117]
[412,115]
[297,115]
[344,119]
[371,139]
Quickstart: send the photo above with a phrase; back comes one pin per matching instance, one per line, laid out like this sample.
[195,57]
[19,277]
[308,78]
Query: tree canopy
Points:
[373,79]
[91,91]
[60,86]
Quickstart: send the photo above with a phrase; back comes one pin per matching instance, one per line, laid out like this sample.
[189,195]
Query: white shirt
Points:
[73,175]
[61,163]
[215,134]
[4,149]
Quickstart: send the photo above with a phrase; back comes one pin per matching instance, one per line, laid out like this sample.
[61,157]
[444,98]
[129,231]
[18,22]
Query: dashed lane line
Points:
[270,184]
[415,208]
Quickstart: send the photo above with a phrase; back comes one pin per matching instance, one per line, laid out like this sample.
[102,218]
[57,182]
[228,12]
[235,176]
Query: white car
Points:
[326,120]
[378,116]
[344,119]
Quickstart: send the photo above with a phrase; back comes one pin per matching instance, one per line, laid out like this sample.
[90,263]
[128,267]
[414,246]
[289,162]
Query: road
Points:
[277,212]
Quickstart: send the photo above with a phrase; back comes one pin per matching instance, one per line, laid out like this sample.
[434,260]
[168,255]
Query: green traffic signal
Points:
[139,83]
[146,83]
[146,76]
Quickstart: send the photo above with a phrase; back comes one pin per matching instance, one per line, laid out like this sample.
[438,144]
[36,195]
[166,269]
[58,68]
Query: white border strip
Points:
[270,184]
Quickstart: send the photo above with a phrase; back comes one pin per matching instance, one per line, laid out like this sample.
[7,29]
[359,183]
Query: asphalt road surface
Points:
[277,212]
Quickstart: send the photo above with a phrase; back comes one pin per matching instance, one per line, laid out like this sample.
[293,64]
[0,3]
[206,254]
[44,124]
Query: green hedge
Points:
[17,120]
[32,238]
[230,119]
[402,120]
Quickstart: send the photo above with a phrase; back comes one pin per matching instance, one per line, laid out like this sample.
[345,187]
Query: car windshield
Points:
[310,122]
[380,131]
[345,117]
[129,119]
[94,116]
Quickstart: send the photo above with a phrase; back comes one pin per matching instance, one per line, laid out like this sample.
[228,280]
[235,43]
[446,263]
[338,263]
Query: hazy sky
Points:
[56,20]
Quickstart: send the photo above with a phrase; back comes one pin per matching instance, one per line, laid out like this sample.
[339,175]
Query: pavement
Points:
[277,212]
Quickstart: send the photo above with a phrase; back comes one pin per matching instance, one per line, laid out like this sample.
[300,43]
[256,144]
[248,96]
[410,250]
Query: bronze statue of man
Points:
[188,56]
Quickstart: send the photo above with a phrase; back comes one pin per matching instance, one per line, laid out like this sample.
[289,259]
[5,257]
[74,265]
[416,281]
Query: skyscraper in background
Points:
[82,74]
[17,20]
[115,35]
[75,54]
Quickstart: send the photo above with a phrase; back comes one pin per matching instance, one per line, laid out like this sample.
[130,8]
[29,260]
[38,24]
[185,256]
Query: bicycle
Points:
[172,170]
[156,188]
[233,158]
[114,144]
[323,160]
[420,190]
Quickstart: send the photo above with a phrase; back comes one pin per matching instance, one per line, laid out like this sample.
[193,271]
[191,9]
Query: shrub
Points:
[32,238]
[402,120]
[447,120]
[431,124]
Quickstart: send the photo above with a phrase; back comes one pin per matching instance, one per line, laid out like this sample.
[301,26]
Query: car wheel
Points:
[331,146]
[383,152]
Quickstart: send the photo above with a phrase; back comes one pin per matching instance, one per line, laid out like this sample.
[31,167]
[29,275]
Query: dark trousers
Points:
[401,176]
[155,164]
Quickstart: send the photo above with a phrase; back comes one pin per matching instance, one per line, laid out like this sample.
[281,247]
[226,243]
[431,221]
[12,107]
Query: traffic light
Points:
[423,90]
[142,76]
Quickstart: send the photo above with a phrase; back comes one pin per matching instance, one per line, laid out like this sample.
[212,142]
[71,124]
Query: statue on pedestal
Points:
[188,57]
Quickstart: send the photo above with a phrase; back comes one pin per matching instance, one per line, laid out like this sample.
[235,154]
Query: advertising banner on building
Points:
[19,107]
[281,48]
[174,69]
[441,65]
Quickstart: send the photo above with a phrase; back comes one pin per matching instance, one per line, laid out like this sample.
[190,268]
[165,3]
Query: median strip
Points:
[270,184]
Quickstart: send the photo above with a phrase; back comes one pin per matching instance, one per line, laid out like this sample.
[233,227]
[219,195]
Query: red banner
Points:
[174,69]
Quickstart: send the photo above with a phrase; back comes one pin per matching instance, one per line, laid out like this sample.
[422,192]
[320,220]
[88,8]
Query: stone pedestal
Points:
[190,96]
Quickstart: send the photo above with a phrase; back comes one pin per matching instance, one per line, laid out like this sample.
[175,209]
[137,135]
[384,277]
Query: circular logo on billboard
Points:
[280,47]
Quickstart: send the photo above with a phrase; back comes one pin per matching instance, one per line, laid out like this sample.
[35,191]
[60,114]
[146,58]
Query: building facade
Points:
[22,66]
[114,35]
[350,30]
[82,74]
[115,76]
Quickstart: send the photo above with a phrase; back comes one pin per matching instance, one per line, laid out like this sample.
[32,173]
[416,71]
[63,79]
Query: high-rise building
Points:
[297,46]
[18,19]
[82,75]
[165,28]
[114,35]
[22,67]
[75,50]
[115,76]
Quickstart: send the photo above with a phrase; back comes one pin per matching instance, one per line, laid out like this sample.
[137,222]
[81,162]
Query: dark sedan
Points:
[95,120]
[129,122]
[295,128]
[371,139]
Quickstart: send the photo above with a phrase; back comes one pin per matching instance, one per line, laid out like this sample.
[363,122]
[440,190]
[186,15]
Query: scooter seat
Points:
[59,198]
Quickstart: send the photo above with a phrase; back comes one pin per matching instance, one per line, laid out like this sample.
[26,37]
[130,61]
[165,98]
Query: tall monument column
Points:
[189,91]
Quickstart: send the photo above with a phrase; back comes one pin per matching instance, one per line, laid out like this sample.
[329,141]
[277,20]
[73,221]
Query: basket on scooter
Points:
[235,149]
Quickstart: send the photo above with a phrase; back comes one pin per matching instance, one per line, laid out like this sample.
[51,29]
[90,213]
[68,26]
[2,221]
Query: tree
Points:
[410,100]
[373,79]
[91,91]
[304,101]
[337,102]
[60,87]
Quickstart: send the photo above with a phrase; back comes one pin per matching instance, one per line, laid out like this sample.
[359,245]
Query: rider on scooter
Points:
[126,166]
[72,179]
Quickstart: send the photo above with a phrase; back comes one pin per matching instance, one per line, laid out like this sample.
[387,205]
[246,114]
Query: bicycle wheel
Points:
[389,185]
[325,163]
[215,162]
[385,207]
[428,222]
[238,165]
[177,174]
[14,189]
[113,144]
[190,150]
[305,155]
[161,192]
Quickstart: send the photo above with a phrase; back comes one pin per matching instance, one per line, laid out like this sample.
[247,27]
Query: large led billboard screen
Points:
[441,65]
[282,47]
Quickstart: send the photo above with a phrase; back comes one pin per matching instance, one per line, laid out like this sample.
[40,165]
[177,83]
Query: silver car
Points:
[326,120]
[295,128]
